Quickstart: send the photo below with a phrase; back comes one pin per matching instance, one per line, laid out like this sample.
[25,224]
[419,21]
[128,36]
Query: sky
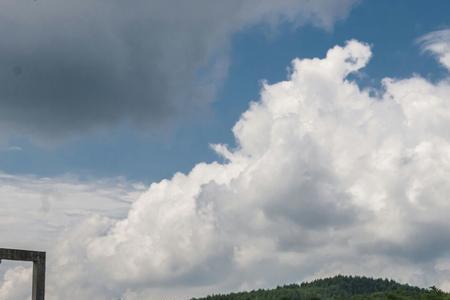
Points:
[162,149]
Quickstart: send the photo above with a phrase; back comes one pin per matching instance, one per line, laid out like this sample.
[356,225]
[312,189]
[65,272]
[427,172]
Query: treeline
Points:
[339,288]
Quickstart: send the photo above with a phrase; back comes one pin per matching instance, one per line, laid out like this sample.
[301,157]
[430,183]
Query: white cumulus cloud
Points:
[16,284]
[325,179]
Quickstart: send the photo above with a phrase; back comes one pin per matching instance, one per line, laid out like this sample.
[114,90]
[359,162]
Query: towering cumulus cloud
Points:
[325,179]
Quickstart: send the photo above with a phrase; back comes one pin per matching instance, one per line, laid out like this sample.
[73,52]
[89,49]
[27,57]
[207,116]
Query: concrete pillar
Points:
[38,288]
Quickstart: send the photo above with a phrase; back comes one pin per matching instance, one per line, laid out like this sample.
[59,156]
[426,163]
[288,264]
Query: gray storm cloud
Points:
[326,179]
[67,67]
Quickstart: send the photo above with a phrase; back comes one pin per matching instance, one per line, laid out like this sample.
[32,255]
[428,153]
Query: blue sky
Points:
[256,53]
[215,146]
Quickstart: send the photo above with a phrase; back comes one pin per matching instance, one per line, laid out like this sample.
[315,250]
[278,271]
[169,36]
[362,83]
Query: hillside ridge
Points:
[339,287]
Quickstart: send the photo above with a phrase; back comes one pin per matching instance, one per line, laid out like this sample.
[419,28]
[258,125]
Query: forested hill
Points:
[339,288]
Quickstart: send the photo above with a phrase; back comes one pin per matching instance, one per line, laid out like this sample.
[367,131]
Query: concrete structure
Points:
[38,259]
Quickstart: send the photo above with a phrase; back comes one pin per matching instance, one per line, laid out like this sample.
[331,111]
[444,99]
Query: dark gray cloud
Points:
[423,243]
[71,66]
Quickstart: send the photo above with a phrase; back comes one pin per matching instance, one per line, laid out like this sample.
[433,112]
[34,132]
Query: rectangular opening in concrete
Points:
[38,260]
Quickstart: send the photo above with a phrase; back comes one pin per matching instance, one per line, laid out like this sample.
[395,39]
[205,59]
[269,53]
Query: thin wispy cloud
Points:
[438,44]
[11,149]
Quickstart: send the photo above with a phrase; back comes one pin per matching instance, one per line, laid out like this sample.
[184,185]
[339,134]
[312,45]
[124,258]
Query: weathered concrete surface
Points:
[38,259]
